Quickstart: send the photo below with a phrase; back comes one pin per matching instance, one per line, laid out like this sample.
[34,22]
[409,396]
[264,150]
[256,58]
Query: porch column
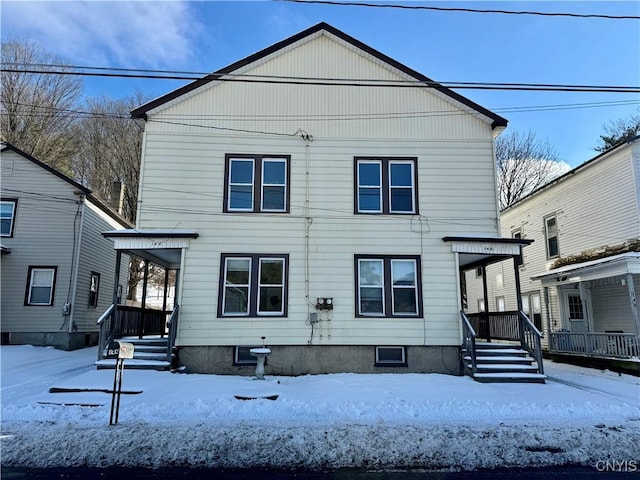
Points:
[634,303]
[143,303]
[485,314]
[116,278]
[517,261]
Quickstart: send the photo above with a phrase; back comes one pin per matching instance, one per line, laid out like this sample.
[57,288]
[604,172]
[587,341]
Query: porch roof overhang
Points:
[163,247]
[4,250]
[481,251]
[612,266]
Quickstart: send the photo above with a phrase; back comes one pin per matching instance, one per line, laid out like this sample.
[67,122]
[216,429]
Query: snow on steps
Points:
[148,354]
[503,363]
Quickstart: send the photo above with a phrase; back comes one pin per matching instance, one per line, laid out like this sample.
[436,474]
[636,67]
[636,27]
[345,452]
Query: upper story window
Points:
[388,286]
[257,183]
[253,285]
[385,185]
[41,283]
[517,233]
[7,217]
[551,235]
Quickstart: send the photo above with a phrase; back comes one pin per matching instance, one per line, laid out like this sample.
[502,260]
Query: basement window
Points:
[391,357]
[242,356]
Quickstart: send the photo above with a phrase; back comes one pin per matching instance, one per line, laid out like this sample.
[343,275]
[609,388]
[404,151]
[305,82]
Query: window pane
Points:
[370,272]
[236,299]
[271,271]
[273,198]
[241,171]
[403,272]
[40,295]
[401,200]
[371,300]
[369,199]
[5,226]
[270,299]
[401,175]
[369,175]
[241,197]
[390,354]
[238,271]
[404,301]
[42,278]
[6,209]
[273,172]
[553,246]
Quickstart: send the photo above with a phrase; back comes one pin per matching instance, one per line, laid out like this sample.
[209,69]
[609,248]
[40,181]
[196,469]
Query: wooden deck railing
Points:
[172,326]
[469,341]
[530,339]
[606,345]
[496,325]
[121,320]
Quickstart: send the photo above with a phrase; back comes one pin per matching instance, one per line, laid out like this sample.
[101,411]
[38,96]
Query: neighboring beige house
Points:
[581,275]
[310,214]
[57,268]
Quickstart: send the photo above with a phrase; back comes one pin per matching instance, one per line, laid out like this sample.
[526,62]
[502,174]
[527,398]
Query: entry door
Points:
[575,312]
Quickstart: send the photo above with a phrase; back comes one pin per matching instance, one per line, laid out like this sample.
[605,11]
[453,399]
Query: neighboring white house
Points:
[581,276]
[57,268]
[305,193]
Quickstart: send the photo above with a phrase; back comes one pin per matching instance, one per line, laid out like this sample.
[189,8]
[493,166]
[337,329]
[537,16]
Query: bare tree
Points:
[618,131]
[111,148]
[37,109]
[523,164]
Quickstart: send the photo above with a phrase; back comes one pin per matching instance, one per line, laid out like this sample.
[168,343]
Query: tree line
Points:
[98,144]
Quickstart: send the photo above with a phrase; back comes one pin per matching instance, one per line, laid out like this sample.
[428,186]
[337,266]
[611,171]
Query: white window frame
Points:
[402,187]
[263,185]
[12,218]
[231,184]
[414,287]
[391,363]
[262,260]
[380,286]
[378,163]
[32,285]
[549,237]
[227,285]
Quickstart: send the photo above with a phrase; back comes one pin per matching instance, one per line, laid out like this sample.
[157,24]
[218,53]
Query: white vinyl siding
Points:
[455,192]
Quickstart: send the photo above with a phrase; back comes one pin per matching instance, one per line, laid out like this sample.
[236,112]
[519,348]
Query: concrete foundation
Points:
[59,340]
[292,360]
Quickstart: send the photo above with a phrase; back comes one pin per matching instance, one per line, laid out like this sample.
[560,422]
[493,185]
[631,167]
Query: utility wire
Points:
[343,82]
[467,10]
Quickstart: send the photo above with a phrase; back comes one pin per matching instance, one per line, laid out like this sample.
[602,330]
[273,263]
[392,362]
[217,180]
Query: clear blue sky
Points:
[445,46]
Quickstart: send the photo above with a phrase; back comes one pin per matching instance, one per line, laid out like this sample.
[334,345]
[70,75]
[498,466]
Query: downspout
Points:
[634,303]
[74,281]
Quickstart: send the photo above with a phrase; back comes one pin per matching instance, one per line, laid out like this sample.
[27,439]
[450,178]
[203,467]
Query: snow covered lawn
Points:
[580,417]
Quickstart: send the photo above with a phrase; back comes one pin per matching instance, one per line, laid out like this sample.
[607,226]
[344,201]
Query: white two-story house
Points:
[320,198]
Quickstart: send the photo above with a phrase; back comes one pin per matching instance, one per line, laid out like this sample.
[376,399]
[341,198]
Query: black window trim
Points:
[253,284]
[378,363]
[258,160]
[387,286]
[53,286]
[13,215]
[386,189]
[95,303]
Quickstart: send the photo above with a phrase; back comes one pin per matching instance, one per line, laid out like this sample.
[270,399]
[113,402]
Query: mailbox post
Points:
[119,351]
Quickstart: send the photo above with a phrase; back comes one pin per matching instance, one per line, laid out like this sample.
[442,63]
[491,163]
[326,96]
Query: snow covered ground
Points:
[579,417]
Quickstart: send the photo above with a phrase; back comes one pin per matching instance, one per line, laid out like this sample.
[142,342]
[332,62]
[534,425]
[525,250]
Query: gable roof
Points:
[83,190]
[575,170]
[141,112]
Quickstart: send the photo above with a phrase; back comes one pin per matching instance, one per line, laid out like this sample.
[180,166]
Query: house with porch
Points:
[322,199]
[581,276]
[57,268]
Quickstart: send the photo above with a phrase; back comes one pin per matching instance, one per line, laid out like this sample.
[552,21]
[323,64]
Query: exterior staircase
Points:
[502,363]
[149,354]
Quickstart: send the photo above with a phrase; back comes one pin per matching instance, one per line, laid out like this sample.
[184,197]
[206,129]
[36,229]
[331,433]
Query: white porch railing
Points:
[607,345]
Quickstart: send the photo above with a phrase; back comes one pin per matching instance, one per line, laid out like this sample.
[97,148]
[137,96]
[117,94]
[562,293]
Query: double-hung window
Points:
[257,183]
[388,286]
[551,234]
[7,217]
[385,185]
[41,283]
[253,285]
[94,288]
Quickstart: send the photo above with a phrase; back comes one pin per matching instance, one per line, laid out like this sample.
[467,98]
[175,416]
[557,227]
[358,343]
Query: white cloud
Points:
[138,34]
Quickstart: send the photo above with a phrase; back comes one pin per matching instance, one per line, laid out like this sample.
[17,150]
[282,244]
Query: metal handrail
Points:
[108,312]
[528,332]
[469,341]
[172,325]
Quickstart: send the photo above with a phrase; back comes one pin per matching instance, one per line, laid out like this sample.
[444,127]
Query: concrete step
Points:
[509,377]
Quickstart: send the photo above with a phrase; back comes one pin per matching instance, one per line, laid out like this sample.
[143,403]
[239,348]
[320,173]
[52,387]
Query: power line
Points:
[339,82]
[467,10]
